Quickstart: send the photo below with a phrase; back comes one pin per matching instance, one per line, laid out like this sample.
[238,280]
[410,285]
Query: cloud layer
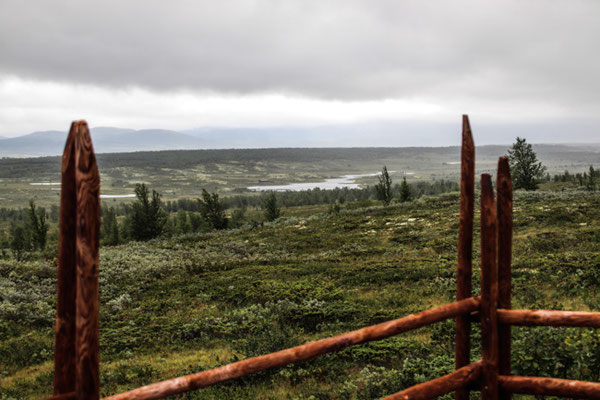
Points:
[510,56]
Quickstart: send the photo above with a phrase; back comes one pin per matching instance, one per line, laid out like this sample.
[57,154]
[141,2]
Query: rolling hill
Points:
[106,140]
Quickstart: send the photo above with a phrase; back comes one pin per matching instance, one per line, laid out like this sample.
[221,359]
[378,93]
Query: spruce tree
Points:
[37,226]
[19,242]
[182,225]
[590,183]
[405,192]
[212,210]
[383,189]
[525,169]
[147,219]
[271,207]
[110,229]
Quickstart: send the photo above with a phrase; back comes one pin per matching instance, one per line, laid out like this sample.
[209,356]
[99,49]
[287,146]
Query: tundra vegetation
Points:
[195,298]
[193,282]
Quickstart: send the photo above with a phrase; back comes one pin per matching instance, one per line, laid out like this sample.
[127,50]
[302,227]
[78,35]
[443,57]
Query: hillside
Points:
[184,173]
[180,305]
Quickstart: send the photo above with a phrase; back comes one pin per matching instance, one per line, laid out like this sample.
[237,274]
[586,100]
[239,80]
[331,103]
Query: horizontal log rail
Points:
[459,379]
[300,353]
[550,387]
[549,318]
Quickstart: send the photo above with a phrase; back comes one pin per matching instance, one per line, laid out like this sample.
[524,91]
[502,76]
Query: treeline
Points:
[313,196]
[28,231]
[149,217]
[588,179]
[21,214]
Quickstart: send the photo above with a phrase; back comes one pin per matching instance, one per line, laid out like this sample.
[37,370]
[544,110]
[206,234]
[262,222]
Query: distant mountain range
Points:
[106,140]
[371,134]
[116,140]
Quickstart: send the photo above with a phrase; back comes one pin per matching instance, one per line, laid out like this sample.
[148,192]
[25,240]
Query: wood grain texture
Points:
[549,318]
[87,180]
[504,215]
[550,387]
[299,353]
[64,339]
[465,249]
[460,378]
[489,292]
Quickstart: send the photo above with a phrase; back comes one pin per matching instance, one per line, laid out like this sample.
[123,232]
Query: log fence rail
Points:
[76,362]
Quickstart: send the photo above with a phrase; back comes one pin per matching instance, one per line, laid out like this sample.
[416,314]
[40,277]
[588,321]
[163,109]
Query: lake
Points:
[346,181]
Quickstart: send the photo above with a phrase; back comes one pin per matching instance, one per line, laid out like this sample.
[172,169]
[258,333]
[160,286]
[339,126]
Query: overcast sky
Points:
[185,64]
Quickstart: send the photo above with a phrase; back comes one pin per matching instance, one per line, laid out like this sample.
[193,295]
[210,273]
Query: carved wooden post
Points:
[505,227]
[465,249]
[76,351]
[489,292]
[64,339]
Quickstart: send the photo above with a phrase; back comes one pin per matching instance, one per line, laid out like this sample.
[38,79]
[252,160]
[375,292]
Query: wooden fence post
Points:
[465,249]
[64,337]
[87,180]
[76,352]
[489,292]
[505,227]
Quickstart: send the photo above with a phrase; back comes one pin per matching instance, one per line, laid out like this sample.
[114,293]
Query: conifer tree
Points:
[110,229]
[271,207]
[147,219]
[405,192]
[37,226]
[19,242]
[590,183]
[525,169]
[383,189]
[182,225]
[212,210]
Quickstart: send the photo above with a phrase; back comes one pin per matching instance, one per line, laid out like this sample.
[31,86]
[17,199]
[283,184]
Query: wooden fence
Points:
[76,352]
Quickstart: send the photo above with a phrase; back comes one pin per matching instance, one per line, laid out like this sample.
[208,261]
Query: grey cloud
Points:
[536,50]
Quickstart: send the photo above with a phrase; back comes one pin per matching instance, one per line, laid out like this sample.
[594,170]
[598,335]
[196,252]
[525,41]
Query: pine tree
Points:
[147,219]
[37,226]
[271,207]
[110,228]
[212,210]
[405,192]
[590,183]
[383,189]
[196,221]
[238,217]
[19,242]
[525,169]
[183,225]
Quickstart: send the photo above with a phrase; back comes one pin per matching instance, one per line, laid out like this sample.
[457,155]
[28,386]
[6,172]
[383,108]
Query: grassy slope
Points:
[176,306]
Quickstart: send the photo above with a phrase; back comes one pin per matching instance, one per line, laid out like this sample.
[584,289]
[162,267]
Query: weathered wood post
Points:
[505,228]
[76,341]
[465,249]
[489,292]
[64,339]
